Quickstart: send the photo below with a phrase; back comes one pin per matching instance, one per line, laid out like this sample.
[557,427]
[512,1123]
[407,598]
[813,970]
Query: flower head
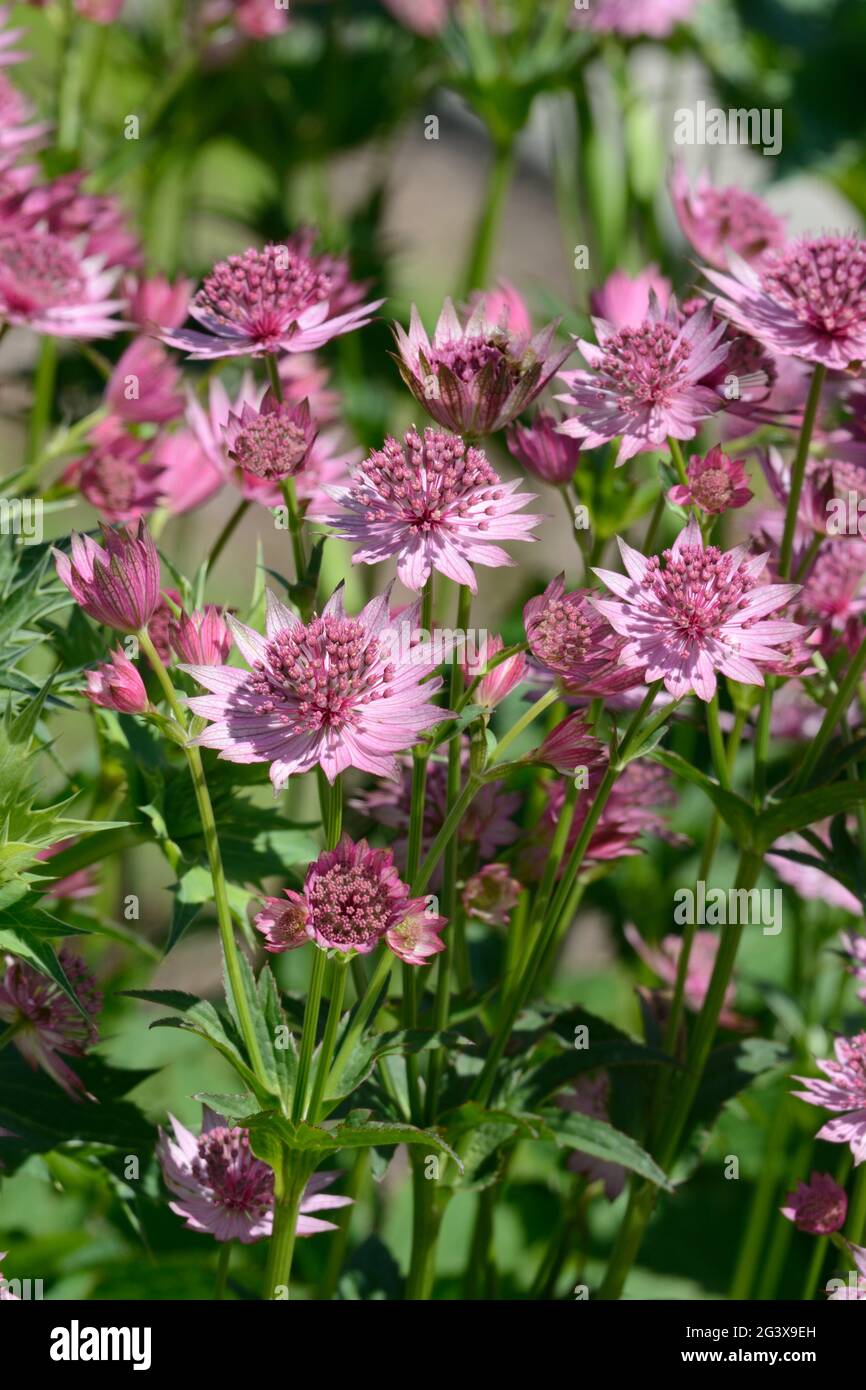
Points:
[116,583]
[570,746]
[845,1092]
[222,1189]
[818,1206]
[48,286]
[45,1020]
[144,385]
[17,127]
[569,637]
[663,959]
[700,612]
[718,220]
[493,686]
[271,441]
[415,938]
[491,895]
[426,17]
[154,302]
[435,503]
[644,383]
[280,299]
[327,693]
[624,300]
[283,922]
[475,378]
[544,449]
[201,637]
[117,685]
[634,18]
[716,483]
[854,946]
[806,300]
[117,476]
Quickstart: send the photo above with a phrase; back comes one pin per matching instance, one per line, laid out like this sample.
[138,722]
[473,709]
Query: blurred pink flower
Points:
[475,378]
[493,687]
[505,307]
[808,881]
[6,1294]
[117,685]
[644,384]
[280,299]
[46,1022]
[544,449]
[93,224]
[716,483]
[261,19]
[434,503]
[590,1095]
[329,693]
[116,583]
[99,11]
[853,1291]
[717,220]
[79,884]
[426,17]
[491,895]
[48,286]
[189,476]
[154,302]
[819,1206]
[17,126]
[144,384]
[624,300]
[845,1092]
[703,612]
[114,477]
[8,38]
[854,946]
[663,959]
[806,300]
[633,18]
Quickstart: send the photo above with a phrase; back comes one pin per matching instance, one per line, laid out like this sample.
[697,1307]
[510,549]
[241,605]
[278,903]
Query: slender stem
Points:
[226,533]
[308,1036]
[212,846]
[540,705]
[364,1009]
[290,496]
[336,986]
[43,399]
[273,368]
[478,262]
[679,461]
[798,470]
[762,741]
[655,522]
[449,827]
[717,745]
[856,1227]
[835,711]
[340,1238]
[222,1270]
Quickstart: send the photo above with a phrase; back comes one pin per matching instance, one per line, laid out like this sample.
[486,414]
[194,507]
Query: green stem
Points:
[289,1183]
[798,469]
[478,262]
[449,827]
[222,1272]
[43,398]
[679,461]
[540,705]
[655,522]
[212,846]
[364,1009]
[308,1036]
[290,496]
[336,987]
[226,533]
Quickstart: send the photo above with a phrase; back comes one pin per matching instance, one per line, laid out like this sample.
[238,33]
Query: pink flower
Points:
[353,896]
[117,685]
[844,1092]
[426,17]
[633,18]
[493,687]
[114,477]
[806,300]
[505,307]
[663,960]
[154,302]
[624,300]
[475,379]
[223,1190]
[329,693]
[283,923]
[808,881]
[8,38]
[568,636]
[93,223]
[434,503]
[415,938]
[570,746]
[271,441]
[47,286]
[818,1206]
[99,11]
[590,1095]
[716,483]
[645,383]
[17,126]
[46,1022]
[116,583]
[544,449]
[261,19]
[854,946]
[491,895]
[718,220]
[280,299]
[143,387]
[79,884]
[189,476]
[702,613]
[201,637]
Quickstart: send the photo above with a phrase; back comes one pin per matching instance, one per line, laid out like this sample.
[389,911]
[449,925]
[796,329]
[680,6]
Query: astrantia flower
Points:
[280,299]
[271,441]
[718,220]
[493,687]
[427,17]
[806,300]
[570,746]
[352,896]
[81,883]
[644,383]
[624,300]
[491,895]
[47,286]
[845,1092]
[544,449]
[505,307]
[716,483]
[154,302]
[116,583]
[17,127]
[415,937]
[93,222]
[45,1021]
[117,685]
[329,693]
[201,637]
[478,377]
[633,18]
[700,612]
[663,960]
[222,1189]
[590,1095]
[434,503]
[143,386]
[116,476]
[283,922]
[568,636]
[818,1206]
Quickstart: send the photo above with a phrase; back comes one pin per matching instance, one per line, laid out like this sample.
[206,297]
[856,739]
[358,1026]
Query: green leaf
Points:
[19,941]
[734,810]
[601,1140]
[351,1133]
[365,1055]
[805,809]
[231,1107]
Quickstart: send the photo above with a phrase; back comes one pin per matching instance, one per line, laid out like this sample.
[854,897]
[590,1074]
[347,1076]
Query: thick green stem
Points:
[798,469]
[222,1272]
[336,987]
[289,1183]
[226,533]
[308,1036]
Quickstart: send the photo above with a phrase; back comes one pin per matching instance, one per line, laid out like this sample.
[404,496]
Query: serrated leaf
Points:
[599,1139]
